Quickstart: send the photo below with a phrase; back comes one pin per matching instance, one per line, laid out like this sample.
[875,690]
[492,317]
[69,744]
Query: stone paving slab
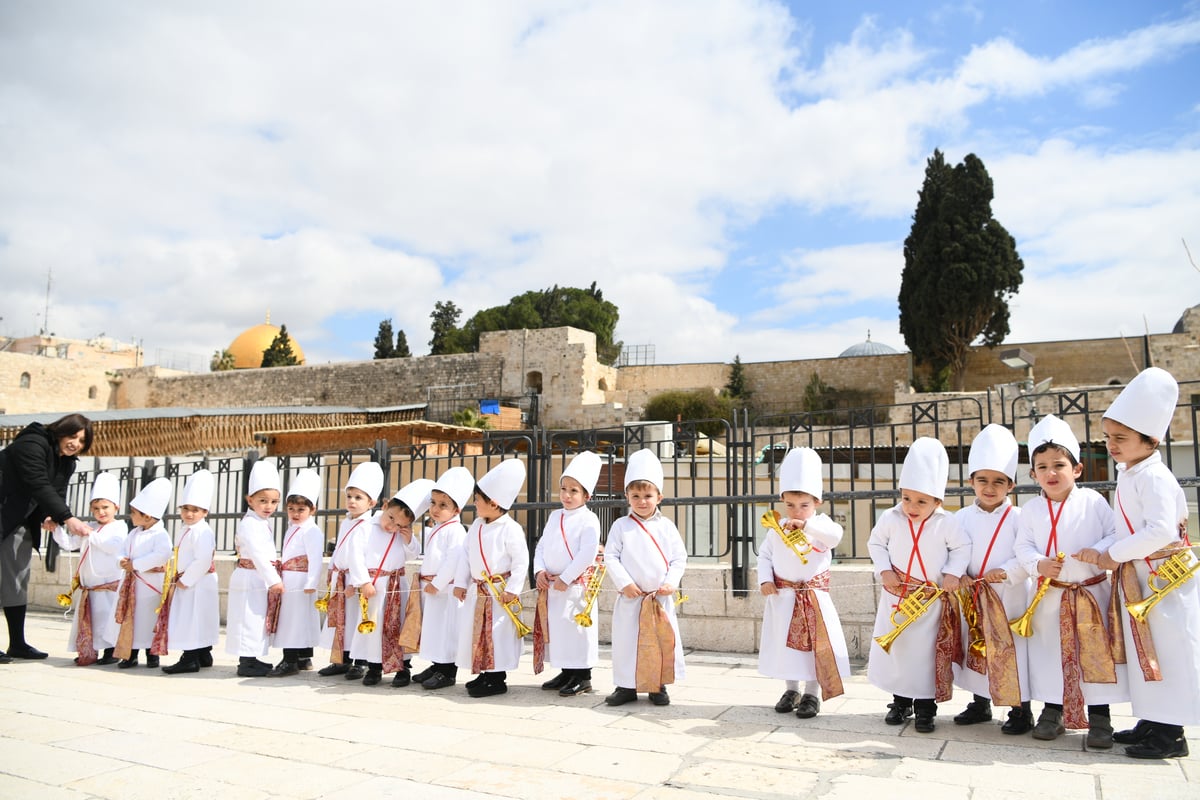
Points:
[74,733]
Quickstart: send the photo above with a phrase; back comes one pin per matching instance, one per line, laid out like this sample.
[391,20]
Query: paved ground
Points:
[70,732]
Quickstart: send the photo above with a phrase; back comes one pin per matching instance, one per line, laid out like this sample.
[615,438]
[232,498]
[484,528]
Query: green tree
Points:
[471,418]
[222,360]
[736,388]
[383,341]
[691,406]
[961,267]
[279,353]
[447,337]
[401,350]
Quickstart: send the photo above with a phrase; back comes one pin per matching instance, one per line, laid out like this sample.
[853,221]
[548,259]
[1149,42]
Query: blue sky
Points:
[737,175]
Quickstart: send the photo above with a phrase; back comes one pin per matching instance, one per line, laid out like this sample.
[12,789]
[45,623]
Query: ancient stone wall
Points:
[54,384]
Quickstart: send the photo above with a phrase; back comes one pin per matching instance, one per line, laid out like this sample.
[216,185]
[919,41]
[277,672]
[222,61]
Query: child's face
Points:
[1053,471]
[357,502]
[141,520]
[991,487]
[299,513]
[1125,445]
[487,508]
[104,511]
[441,507]
[799,505]
[643,500]
[571,494]
[264,502]
[396,520]
[917,506]
[192,514]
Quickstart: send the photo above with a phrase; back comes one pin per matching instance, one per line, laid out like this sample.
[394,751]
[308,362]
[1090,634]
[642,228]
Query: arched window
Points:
[92,392]
[533,382]
[24,380]
[603,385]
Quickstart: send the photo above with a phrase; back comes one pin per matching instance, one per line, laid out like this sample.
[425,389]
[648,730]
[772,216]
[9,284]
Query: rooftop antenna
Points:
[46,313]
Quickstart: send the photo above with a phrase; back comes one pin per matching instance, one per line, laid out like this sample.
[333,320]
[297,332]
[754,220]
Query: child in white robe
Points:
[795,583]
[645,559]
[298,628]
[563,563]
[98,573]
[144,555]
[255,580]
[191,618]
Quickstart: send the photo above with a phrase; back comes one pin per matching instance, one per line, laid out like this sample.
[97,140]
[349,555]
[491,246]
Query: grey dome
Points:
[868,348]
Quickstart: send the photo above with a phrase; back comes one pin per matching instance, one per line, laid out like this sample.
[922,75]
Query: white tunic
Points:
[299,621]
[246,626]
[1085,521]
[99,564]
[908,670]
[195,619]
[1154,504]
[567,547]
[348,558]
[776,559]
[648,553]
[383,552]
[440,612]
[987,533]
[146,548]
[497,547]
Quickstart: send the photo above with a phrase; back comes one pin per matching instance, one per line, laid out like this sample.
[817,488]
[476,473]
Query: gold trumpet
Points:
[975,641]
[590,592]
[1023,625]
[794,539]
[322,603]
[496,583]
[913,606]
[1177,570]
[65,599]
[168,581]
[367,625]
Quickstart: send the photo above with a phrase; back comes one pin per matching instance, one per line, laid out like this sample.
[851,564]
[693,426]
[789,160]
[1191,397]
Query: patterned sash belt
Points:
[84,644]
[948,645]
[807,632]
[1125,583]
[1086,655]
[483,653]
[655,646]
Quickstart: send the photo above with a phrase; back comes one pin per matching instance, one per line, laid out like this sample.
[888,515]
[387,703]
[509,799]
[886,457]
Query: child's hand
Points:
[431,589]
[126,565]
[891,581]
[666,588]
[182,585]
[275,588]
[768,588]
[1087,555]
[1105,561]
[542,581]
[560,585]
[460,593]
[1049,568]
[631,591]
[507,597]
[349,592]
[995,576]
[792,524]
[951,582]
[367,590]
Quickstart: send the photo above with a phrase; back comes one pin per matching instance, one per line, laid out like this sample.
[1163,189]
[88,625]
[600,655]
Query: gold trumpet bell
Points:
[65,600]
[1177,570]
[367,625]
[912,607]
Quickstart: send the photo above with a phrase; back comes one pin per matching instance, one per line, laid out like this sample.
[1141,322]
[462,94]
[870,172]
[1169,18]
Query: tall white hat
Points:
[644,466]
[458,483]
[1147,404]
[503,482]
[994,448]
[106,487]
[198,491]
[926,468]
[153,498]
[584,468]
[307,484]
[801,471]
[1052,430]
[263,475]
[416,496]
[367,477]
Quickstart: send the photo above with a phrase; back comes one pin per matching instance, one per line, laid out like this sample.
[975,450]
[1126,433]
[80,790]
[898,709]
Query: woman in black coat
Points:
[34,472]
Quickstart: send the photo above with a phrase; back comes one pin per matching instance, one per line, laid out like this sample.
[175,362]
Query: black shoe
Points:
[787,701]
[107,658]
[1136,734]
[621,696]
[1159,744]
[402,678]
[25,652]
[558,681]
[438,680]
[255,669]
[924,721]
[488,689]
[356,672]
[808,707]
[577,685]
[898,714]
[5,658]
[182,666]
[477,681]
[660,698]
[304,665]
[126,663]
[333,669]
[373,676]
[424,675]
[205,659]
[283,669]
[152,662]
[977,711]
[1020,721]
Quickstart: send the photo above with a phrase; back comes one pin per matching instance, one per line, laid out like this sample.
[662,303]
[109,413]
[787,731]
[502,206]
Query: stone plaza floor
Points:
[71,732]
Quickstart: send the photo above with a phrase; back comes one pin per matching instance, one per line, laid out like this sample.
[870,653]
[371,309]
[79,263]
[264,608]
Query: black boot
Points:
[188,662]
[107,657]
[17,646]
[1162,741]
[900,709]
[924,711]
[132,661]
[978,710]
[1020,720]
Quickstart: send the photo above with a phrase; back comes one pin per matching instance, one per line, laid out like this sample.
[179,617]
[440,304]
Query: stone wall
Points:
[55,384]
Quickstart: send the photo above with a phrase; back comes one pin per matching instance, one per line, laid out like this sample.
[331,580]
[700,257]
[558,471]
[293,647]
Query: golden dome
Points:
[248,347]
